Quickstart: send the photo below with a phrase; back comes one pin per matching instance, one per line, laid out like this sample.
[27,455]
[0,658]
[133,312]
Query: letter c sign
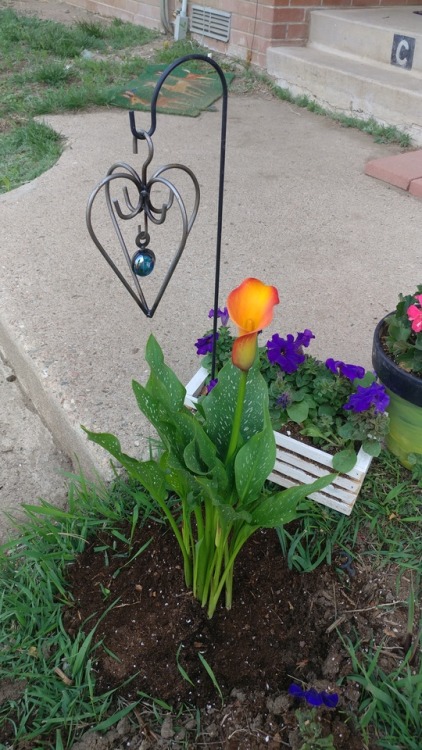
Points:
[402,51]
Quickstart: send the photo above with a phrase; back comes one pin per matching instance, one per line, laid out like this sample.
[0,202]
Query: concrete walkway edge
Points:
[69,440]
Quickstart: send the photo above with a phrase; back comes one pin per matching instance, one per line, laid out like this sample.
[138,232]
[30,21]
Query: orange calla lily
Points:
[250,307]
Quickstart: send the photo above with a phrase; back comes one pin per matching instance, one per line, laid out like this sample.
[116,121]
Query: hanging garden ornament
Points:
[128,196]
[143,262]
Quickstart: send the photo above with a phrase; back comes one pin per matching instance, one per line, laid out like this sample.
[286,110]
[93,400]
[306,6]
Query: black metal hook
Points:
[140,135]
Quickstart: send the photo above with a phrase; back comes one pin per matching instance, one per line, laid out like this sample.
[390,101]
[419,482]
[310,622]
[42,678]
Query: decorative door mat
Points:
[186,91]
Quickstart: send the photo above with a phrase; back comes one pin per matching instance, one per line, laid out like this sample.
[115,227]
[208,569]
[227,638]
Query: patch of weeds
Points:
[53,675]
[92,29]
[380,133]
[33,34]
[52,74]
[27,151]
[170,52]
[390,701]
[123,35]
[309,731]
[37,58]
[387,512]
[385,525]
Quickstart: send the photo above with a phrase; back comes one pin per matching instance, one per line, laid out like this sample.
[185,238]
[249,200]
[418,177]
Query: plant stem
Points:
[229,580]
[241,538]
[187,565]
[199,554]
[237,418]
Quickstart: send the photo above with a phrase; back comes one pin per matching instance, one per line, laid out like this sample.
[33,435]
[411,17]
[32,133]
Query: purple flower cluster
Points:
[205,344]
[222,314]
[313,697]
[212,384]
[283,400]
[351,372]
[288,352]
[374,395]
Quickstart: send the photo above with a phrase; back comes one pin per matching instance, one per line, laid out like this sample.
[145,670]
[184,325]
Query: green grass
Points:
[35,36]
[47,67]
[33,640]
[387,516]
[248,79]
[380,133]
[391,702]
[39,56]
[26,152]
[34,643]
[388,513]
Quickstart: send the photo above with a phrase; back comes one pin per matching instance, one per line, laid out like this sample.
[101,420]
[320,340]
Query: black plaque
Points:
[402,51]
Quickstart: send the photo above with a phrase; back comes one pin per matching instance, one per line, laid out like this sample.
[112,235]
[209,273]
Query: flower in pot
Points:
[397,360]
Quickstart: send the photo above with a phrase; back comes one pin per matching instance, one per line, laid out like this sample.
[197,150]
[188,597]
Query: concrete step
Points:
[371,33]
[349,83]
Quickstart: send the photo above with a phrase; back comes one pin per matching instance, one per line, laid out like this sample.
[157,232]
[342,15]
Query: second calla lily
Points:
[250,307]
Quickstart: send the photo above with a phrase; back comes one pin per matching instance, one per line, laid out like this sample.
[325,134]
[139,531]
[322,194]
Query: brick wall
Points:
[255,24]
[143,12]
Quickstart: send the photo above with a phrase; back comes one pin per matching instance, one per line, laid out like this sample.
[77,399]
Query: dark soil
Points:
[281,629]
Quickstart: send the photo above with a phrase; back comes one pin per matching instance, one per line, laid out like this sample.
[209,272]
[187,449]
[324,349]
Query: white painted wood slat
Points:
[298,463]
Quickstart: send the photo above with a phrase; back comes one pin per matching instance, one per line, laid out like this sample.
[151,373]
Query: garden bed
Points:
[281,630]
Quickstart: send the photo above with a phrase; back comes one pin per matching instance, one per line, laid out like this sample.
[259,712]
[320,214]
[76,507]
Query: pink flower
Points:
[414,314]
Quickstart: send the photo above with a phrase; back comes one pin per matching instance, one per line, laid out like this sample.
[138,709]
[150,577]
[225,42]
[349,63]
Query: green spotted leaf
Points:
[279,509]
[254,462]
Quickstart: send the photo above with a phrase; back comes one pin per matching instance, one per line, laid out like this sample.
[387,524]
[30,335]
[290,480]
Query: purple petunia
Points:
[288,353]
[351,372]
[304,338]
[313,697]
[222,314]
[285,353]
[374,395]
[212,384]
[205,344]
[283,400]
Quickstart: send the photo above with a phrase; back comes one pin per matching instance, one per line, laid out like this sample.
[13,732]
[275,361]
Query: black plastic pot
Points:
[405,408]
[403,383]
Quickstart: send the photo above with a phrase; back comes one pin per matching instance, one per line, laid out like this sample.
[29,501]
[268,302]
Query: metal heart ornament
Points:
[141,263]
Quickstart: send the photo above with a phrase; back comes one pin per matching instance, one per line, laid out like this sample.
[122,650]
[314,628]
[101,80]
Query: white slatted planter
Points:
[299,463]
[194,387]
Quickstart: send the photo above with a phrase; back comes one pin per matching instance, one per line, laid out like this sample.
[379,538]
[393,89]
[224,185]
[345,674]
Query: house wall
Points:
[255,24]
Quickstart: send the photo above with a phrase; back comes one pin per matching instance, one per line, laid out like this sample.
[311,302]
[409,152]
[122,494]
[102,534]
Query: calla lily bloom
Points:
[414,314]
[250,307]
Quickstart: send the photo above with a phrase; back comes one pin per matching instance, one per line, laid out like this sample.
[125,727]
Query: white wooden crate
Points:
[299,463]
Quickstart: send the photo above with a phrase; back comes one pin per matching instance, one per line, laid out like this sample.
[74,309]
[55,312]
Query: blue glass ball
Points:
[143,262]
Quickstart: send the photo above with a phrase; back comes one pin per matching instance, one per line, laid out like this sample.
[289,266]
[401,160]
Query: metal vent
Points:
[210,22]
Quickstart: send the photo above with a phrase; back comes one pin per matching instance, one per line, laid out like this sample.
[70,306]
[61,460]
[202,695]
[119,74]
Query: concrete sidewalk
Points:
[299,214]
